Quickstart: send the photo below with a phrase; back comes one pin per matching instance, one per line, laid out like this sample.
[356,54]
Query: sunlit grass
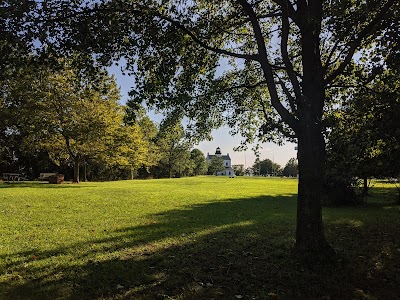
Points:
[188,238]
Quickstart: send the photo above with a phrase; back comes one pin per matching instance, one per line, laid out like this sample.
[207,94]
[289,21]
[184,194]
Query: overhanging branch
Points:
[357,42]
[266,67]
[197,40]
[285,55]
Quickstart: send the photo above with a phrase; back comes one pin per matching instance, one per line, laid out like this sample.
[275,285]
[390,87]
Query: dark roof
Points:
[224,157]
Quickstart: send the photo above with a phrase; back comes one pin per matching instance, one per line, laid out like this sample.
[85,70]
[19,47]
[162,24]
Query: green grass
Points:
[189,238]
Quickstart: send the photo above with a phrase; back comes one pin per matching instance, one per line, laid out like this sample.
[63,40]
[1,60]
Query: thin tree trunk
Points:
[76,170]
[84,172]
[365,186]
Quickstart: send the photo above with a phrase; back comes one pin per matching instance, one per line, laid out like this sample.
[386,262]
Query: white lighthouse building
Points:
[227,162]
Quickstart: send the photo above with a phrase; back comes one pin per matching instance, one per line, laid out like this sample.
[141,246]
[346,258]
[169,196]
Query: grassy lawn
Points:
[189,238]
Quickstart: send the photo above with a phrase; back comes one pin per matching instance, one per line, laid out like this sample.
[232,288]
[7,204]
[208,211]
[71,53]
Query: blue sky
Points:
[221,137]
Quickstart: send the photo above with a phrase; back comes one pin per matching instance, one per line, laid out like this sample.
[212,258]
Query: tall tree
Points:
[173,148]
[175,47]
[69,117]
[266,167]
[364,138]
[199,161]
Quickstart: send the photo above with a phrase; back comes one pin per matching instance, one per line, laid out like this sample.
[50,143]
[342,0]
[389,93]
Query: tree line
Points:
[58,120]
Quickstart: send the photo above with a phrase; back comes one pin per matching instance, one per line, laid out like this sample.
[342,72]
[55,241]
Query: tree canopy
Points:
[62,114]
[364,136]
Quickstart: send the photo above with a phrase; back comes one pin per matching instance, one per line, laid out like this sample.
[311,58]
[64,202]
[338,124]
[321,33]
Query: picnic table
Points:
[13,177]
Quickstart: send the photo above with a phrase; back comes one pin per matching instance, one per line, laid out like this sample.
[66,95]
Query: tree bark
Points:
[310,238]
[311,242]
[76,170]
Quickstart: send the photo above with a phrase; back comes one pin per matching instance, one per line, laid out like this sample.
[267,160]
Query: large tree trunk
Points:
[310,238]
[76,170]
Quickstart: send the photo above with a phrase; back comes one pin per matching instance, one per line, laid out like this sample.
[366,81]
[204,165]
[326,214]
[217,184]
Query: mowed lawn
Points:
[189,238]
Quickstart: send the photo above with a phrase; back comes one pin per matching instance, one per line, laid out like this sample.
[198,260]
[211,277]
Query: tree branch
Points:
[266,67]
[285,56]
[327,62]
[241,86]
[290,9]
[197,40]
[357,42]
[291,99]
[174,22]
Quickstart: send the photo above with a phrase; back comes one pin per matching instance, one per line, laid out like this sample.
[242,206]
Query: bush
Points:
[342,190]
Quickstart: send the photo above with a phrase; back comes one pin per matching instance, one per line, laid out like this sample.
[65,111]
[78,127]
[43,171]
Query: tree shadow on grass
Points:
[221,250]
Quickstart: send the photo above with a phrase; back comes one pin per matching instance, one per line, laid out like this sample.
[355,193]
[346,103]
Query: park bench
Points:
[13,177]
[46,176]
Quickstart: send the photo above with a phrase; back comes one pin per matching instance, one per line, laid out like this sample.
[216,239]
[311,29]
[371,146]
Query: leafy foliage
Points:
[365,137]
[238,169]
[266,167]
[200,166]
[291,168]
[215,165]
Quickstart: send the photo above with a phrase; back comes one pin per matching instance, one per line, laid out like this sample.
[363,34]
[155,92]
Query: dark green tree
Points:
[215,165]
[199,161]
[365,135]
[266,167]
[291,168]
[173,149]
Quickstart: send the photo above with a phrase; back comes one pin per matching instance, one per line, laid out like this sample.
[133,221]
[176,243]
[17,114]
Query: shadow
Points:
[240,248]
[41,184]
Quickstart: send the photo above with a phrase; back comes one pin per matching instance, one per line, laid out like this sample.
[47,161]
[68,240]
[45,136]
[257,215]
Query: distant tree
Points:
[266,167]
[238,169]
[153,155]
[130,148]
[291,168]
[199,161]
[216,165]
[184,164]
[173,148]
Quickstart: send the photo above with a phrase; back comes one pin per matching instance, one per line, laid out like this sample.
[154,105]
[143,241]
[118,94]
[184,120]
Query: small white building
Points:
[227,162]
